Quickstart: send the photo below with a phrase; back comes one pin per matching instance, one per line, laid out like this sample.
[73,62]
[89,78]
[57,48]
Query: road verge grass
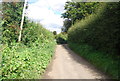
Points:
[105,62]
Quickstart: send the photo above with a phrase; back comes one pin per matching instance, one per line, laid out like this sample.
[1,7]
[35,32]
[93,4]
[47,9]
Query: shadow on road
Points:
[67,64]
[83,61]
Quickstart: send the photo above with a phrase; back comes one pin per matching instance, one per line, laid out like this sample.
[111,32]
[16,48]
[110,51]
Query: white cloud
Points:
[48,12]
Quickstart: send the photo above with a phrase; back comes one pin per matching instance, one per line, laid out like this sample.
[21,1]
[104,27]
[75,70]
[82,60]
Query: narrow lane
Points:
[68,65]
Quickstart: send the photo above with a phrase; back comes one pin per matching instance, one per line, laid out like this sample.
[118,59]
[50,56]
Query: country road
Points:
[68,65]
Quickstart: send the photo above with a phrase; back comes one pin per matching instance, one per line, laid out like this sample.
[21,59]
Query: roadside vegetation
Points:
[102,61]
[28,58]
[96,35]
[90,29]
[61,38]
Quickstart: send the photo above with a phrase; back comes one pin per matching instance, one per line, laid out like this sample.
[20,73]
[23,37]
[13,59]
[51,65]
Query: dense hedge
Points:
[28,59]
[99,30]
[11,19]
[97,38]
[61,38]
[35,32]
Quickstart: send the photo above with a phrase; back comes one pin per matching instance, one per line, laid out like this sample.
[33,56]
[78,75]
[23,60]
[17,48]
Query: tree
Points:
[67,24]
[54,32]
[77,11]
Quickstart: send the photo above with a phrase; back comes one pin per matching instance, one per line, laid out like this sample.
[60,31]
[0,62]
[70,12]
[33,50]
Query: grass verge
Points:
[105,62]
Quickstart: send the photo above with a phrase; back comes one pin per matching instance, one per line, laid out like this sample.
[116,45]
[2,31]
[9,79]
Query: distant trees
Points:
[54,33]
[66,25]
[61,38]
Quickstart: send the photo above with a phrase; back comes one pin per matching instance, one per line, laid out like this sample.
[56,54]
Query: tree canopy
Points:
[76,11]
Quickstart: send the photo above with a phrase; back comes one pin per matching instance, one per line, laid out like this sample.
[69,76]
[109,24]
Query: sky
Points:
[47,12]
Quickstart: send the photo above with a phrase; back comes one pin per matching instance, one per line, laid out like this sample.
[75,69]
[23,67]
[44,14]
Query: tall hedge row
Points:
[26,59]
[100,30]
[61,38]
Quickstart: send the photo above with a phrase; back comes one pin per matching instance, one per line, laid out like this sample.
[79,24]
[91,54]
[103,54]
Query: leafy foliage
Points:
[61,38]
[54,33]
[67,24]
[77,11]
[99,30]
[35,32]
[12,15]
[28,58]
[21,62]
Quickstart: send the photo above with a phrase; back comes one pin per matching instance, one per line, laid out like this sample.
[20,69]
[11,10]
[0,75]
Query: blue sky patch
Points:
[32,1]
